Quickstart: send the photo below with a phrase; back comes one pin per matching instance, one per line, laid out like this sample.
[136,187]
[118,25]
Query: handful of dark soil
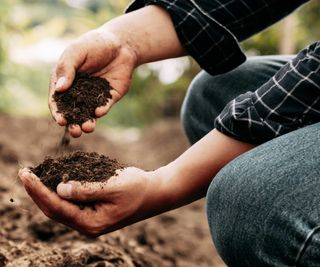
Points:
[86,93]
[77,166]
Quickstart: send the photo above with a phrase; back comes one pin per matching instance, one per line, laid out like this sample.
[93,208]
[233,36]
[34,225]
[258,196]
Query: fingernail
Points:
[24,174]
[64,190]
[60,83]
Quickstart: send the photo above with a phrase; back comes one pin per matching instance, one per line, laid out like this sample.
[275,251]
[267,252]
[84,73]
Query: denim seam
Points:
[304,245]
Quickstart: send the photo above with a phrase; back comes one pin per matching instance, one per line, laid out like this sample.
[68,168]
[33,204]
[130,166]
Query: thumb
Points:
[65,76]
[82,192]
[70,61]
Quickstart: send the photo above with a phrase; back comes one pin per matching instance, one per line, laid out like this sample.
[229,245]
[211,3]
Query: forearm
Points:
[149,31]
[210,29]
[188,177]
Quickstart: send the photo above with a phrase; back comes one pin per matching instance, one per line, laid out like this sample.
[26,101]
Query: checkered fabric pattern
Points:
[288,101]
[210,31]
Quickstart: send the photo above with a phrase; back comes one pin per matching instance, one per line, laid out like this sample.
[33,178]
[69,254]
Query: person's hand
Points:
[112,52]
[130,196]
[100,53]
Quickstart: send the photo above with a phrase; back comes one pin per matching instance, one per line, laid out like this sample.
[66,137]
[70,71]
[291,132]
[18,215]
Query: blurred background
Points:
[33,34]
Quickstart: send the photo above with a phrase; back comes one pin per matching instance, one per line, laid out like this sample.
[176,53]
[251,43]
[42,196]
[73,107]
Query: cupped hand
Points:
[123,199]
[100,53]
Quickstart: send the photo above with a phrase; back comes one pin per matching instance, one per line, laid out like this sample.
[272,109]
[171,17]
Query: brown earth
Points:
[27,238]
[76,166]
[86,93]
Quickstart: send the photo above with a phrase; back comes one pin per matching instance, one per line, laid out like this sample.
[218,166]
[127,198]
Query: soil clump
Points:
[76,166]
[86,93]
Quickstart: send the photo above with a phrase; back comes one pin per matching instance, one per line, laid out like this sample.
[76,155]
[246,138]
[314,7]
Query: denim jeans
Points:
[264,206]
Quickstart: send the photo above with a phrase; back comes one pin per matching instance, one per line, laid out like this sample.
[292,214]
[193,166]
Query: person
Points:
[253,126]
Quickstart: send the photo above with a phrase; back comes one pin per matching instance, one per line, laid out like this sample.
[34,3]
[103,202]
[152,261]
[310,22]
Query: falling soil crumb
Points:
[64,144]
[77,166]
[65,140]
[86,93]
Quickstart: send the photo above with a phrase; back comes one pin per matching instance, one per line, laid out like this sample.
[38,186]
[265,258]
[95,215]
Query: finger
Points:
[65,77]
[93,191]
[103,110]
[69,63]
[55,114]
[26,173]
[88,126]
[52,104]
[66,68]
[59,209]
[75,130]
[47,200]
[59,118]
[82,192]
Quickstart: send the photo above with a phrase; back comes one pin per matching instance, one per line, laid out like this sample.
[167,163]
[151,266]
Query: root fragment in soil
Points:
[78,103]
[76,166]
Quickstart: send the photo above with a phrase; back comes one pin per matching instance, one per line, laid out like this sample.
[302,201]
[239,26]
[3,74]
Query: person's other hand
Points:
[100,53]
[128,197]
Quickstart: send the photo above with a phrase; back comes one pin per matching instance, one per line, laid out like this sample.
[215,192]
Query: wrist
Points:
[165,188]
[139,32]
[182,183]
[114,35]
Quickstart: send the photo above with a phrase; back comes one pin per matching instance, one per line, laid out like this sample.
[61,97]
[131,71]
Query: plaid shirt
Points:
[210,31]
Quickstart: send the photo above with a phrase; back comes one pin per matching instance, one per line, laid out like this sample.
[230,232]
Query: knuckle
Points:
[89,194]
[60,67]
[80,194]
[69,49]
[75,194]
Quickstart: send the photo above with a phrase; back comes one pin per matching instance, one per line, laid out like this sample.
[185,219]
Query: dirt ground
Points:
[27,238]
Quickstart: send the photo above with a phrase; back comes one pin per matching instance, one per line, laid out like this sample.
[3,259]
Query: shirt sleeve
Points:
[210,29]
[288,101]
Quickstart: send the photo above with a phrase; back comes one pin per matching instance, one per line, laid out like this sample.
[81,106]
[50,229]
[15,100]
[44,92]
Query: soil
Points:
[178,238]
[76,166]
[86,93]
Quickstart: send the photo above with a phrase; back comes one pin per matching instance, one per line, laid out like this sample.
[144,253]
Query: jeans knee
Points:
[230,217]
[215,198]
[263,206]
[234,216]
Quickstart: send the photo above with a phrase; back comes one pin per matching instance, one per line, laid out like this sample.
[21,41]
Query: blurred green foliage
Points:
[23,86]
